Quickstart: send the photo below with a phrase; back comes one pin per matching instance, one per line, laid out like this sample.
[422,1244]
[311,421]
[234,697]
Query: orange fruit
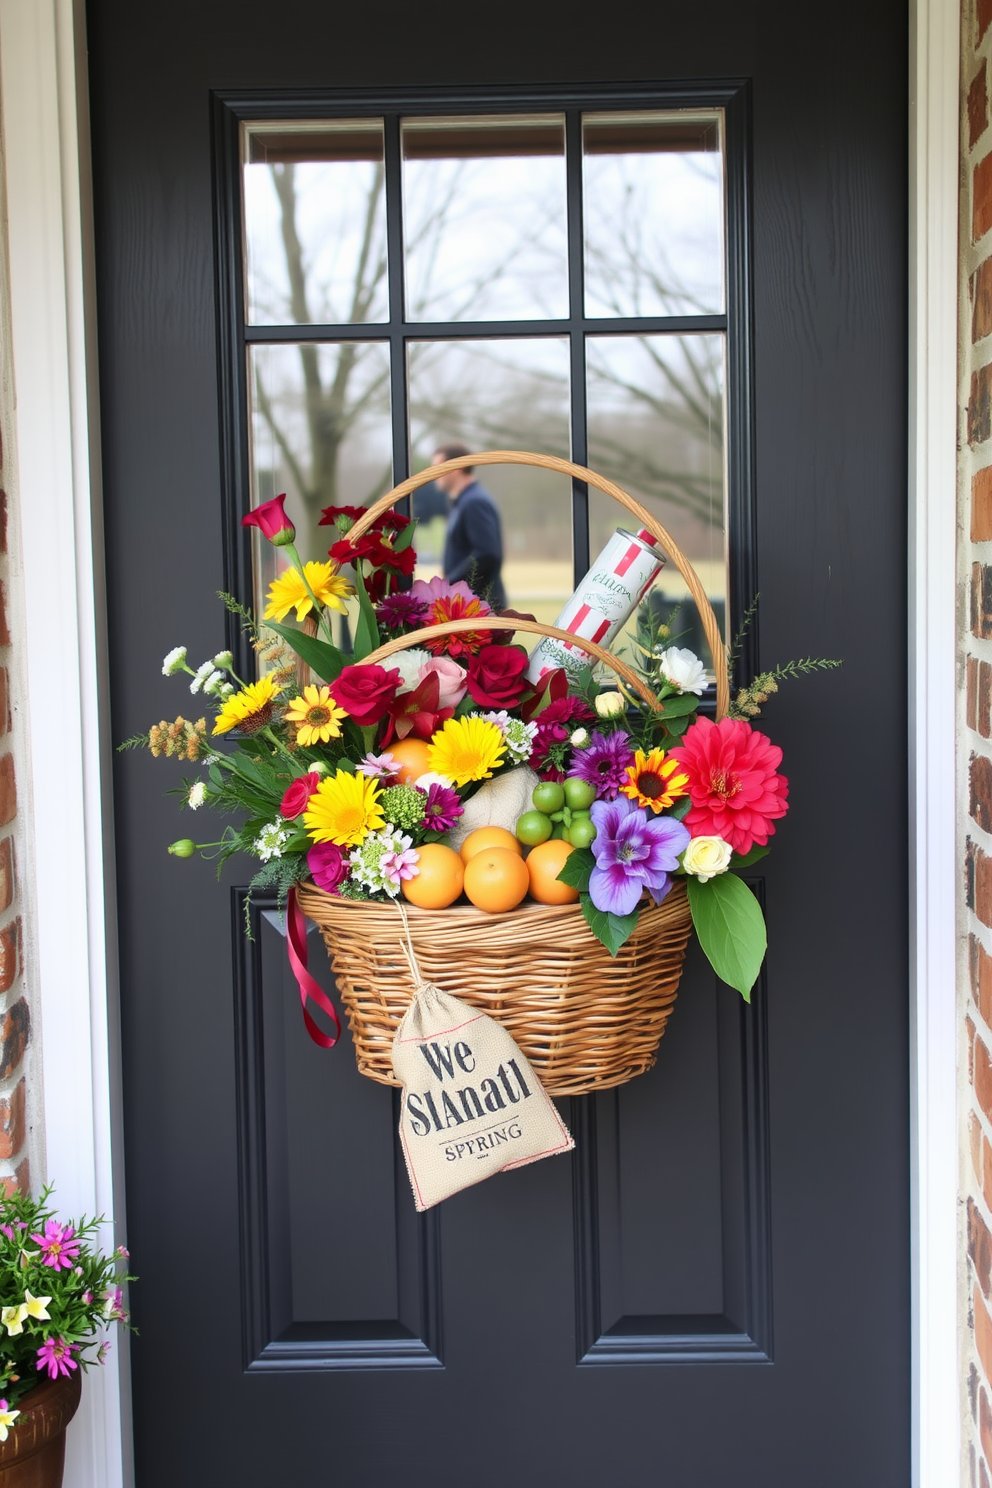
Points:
[411,756]
[544,863]
[484,837]
[439,881]
[496,879]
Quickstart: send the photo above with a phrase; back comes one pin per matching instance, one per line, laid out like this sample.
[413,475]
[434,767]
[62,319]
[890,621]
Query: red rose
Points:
[496,676]
[296,798]
[271,520]
[365,692]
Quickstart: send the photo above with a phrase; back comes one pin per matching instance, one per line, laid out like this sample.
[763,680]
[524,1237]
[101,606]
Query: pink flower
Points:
[272,521]
[443,808]
[294,802]
[58,1248]
[328,866]
[734,784]
[378,766]
[87,1298]
[451,680]
[7,1230]
[397,866]
[55,1355]
[123,1252]
[429,591]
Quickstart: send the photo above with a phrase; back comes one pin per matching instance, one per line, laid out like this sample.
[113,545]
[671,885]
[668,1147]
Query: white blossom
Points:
[683,669]
[201,676]
[270,841]
[224,661]
[174,662]
[409,664]
[197,795]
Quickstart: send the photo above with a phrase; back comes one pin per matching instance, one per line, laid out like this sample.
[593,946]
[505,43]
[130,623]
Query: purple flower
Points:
[55,1355]
[443,808]
[378,766]
[400,612]
[603,763]
[328,866]
[58,1248]
[632,854]
[7,1231]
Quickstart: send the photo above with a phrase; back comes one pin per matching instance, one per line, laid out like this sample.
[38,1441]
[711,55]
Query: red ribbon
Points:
[296,946]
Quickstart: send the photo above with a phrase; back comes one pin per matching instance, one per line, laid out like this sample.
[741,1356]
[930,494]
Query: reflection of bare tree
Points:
[665,440]
[331,403]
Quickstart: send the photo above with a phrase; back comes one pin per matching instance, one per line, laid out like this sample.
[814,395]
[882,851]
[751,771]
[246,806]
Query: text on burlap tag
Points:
[472,1105]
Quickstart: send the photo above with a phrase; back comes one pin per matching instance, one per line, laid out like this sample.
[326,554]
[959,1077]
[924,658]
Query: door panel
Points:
[732,1228]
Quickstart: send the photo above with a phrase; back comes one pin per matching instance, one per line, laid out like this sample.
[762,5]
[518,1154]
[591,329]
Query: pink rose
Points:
[296,797]
[451,680]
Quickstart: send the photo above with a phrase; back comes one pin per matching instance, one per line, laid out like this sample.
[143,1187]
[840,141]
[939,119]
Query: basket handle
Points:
[578,472]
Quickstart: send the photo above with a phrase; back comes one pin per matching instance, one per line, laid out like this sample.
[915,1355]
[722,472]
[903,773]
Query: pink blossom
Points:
[378,766]
[451,680]
[55,1355]
[397,866]
[58,1248]
[429,591]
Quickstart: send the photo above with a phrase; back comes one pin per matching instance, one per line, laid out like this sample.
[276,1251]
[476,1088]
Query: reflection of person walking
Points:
[473,544]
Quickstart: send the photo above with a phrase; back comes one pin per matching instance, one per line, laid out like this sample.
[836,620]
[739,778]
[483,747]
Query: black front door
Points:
[712,1291]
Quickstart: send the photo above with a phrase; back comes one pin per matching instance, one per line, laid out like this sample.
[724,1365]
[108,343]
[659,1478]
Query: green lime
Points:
[548,797]
[533,827]
[579,794]
[582,832]
[559,833]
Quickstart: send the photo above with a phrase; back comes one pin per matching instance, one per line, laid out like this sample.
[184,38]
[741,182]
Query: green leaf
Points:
[681,808]
[366,630]
[405,538]
[676,706]
[731,929]
[744,860]
[577,868]
[613,930]
[320,656]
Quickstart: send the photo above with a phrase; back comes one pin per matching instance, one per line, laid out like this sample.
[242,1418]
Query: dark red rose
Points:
[496,676]
[271,520]
[365,692]
[567,710]
[295,800]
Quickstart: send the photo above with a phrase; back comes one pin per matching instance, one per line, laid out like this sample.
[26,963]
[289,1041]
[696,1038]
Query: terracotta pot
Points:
[33,1456]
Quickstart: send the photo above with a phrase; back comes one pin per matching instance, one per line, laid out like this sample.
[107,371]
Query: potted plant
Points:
[58,1297]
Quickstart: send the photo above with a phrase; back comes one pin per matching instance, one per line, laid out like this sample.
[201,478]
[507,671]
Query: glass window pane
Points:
[315,223]
[652,193]
[499,395]
[656,427]
[484,218]
[320,431]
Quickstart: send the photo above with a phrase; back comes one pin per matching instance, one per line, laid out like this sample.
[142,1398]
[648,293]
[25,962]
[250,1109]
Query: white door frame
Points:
[44,108]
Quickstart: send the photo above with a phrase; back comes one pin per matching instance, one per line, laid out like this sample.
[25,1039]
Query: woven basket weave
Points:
[585,1020]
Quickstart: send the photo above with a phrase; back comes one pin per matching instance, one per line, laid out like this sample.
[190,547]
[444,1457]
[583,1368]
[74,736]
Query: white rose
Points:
[408,664]
[611,704]
[705,857]
[683,669]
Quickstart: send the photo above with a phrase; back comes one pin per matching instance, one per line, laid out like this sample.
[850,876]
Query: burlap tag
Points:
[472,1105]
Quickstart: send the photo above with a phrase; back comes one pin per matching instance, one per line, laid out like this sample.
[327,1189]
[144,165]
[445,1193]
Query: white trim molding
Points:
[933,321]
[45,133]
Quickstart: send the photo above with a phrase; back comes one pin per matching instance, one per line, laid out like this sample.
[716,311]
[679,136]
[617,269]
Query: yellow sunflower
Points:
[316,715]
[344,810]
[289,590]
[466,749]
[654,780]
[250,709]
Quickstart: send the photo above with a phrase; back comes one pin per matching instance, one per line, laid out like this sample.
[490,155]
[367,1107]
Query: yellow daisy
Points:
[466,749]
[344,810]
[289,590]
[316,715]
[250,709]
[655,780]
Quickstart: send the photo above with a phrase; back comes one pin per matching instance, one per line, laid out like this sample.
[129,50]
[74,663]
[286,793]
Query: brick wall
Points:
[975,537]
[21,1130]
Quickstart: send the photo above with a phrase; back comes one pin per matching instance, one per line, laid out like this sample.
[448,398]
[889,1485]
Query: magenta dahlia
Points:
[734,784]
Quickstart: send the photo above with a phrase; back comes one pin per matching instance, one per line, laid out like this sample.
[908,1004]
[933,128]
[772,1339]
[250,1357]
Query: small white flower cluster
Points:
[518,736]
[270,841]
[197,795]
[366,860]
[682,669]
[208,678]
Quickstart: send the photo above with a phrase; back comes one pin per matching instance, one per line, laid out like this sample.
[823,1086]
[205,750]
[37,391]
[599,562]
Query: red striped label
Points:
[573,625]
[631,556]
[600,632]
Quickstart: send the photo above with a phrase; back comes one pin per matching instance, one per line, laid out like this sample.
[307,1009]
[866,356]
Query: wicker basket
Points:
[585,1020]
